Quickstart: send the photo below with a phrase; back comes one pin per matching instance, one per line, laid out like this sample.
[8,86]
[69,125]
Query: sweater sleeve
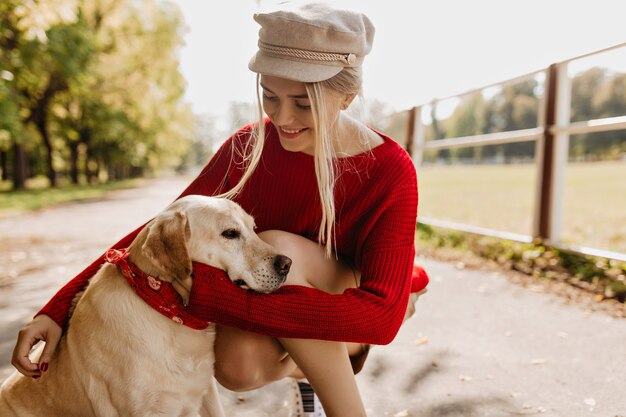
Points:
[212,180]
[369,314]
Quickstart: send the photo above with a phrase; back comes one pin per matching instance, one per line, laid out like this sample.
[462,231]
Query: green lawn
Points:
[502,197]
[38,197]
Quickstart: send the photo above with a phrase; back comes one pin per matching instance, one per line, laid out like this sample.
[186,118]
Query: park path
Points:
[478,345]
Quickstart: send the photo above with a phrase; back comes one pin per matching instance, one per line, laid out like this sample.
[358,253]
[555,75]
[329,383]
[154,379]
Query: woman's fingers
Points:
[25,342]
[40,328]
[51,346]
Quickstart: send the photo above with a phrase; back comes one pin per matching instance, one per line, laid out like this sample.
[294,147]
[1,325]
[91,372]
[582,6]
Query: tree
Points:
[97,82]
[597,93]
[468,120]
[36,54]
[515,107]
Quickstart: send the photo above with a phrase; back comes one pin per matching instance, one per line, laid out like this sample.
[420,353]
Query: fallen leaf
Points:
[538,361]
[422,341]
[590,402]
[403,413]
[465,378]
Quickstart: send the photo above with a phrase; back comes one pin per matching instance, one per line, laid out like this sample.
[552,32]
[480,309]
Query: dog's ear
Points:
[166,247]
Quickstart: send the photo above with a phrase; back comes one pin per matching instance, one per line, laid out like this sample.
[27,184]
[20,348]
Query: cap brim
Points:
[305,72]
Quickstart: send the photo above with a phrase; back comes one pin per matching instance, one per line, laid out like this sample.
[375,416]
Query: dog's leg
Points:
[211,404]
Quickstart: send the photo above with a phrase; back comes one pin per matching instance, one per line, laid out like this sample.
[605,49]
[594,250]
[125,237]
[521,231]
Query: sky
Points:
[422,49]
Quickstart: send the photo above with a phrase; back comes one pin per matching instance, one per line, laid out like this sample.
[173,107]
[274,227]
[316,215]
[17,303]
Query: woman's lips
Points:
[291,133]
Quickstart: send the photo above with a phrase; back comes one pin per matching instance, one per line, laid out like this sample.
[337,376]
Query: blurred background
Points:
[95,92]
[514,113]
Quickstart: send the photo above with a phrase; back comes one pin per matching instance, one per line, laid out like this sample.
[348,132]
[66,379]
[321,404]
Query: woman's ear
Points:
[347,101]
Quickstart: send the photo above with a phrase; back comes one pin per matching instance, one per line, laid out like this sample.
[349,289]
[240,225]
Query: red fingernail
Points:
[43,367]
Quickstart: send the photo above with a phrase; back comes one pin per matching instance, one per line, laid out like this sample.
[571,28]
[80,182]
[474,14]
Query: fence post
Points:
[553,155]
[415,136]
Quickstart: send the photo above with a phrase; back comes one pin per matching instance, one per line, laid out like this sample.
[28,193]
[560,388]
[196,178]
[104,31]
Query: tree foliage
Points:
[597,94]
[96,82]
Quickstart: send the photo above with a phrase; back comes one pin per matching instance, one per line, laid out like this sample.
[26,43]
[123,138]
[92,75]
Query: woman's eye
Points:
[270,98]
[303,106]
[231,233]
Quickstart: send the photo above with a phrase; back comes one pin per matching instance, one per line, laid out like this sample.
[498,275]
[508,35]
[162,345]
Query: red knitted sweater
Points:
[376,206]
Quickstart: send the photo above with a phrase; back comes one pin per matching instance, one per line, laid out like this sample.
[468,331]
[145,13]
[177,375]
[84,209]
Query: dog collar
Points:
[159,295]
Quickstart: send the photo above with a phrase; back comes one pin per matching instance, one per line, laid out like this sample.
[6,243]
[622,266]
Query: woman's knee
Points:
[301,251]
[311,267]
[287,242]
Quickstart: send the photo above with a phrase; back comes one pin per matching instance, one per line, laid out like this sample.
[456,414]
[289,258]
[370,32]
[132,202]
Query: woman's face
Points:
[287,104]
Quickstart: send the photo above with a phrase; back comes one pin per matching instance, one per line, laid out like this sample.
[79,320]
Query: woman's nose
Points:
[283,115]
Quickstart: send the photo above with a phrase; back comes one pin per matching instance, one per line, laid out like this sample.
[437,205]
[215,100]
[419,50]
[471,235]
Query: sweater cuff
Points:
[58,315]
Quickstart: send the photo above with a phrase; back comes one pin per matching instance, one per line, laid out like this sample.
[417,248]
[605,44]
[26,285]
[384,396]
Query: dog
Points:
[120,357]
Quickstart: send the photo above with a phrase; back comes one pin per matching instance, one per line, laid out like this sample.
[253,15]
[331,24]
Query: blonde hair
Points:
[346,83]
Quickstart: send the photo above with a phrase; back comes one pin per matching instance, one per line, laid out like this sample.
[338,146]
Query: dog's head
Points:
[213,231]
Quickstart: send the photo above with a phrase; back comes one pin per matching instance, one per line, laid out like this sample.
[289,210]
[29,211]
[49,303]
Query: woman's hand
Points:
[43,328]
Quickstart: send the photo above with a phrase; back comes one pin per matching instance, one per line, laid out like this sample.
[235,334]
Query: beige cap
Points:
[312,43]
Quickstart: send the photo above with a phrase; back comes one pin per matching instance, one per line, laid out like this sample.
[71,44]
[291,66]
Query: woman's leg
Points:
[328,369]
[246,361]
[325,364]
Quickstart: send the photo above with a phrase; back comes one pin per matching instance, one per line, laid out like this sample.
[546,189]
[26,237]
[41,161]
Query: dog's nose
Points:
[282,264]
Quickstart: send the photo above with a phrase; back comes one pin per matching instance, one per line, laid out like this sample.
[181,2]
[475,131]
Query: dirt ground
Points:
[482,342]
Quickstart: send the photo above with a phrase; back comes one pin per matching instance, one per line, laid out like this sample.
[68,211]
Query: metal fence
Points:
[551,137]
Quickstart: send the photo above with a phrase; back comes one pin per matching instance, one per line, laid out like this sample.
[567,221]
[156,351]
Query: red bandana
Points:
[159,295]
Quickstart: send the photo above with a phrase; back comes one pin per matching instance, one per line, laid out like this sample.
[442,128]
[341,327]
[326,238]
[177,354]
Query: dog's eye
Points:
[231,233]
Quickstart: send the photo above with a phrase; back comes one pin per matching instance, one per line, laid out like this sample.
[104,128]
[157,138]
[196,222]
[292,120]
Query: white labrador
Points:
[122,358]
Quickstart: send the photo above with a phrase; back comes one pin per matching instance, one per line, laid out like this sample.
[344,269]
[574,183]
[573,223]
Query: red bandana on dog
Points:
[159,295]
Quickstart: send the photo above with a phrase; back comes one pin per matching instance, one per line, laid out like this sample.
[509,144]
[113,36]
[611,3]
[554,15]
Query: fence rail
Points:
[551,136]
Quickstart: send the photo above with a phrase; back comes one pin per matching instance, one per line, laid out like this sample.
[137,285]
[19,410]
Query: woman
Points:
[337,197]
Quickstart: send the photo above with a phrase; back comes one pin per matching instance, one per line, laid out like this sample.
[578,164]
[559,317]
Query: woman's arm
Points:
[371,313]
[52,318]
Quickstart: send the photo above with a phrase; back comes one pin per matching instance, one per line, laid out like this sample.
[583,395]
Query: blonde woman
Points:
[337,197]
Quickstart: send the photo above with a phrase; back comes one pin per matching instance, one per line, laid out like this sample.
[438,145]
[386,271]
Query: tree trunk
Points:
[45,136]
[84,138]
[19,167]
[39,117]
[91,161]
[73,162]
[4,165]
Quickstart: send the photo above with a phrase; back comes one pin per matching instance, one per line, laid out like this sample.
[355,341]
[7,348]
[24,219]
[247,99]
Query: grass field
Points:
[502,197]
[37,196]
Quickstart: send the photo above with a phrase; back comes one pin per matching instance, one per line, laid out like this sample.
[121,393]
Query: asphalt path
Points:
[478,345]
